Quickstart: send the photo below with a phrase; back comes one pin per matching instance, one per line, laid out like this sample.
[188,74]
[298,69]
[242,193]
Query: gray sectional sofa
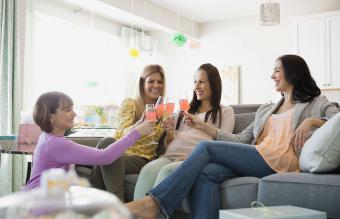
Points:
[314,191]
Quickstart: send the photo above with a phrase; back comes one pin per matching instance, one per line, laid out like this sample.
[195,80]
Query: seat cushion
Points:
[129,186]
[315,191]
[238,192]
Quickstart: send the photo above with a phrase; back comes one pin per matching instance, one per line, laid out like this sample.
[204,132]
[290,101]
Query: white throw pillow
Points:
[321,152]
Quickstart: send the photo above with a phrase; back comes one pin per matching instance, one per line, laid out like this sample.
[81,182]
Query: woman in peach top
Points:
[270,144]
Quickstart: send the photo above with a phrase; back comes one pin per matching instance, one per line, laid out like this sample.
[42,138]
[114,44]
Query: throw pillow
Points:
[321,152]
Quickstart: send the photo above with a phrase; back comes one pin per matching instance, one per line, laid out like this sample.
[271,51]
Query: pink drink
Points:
[170,108]
[184,105]
[151,115]
[159,108]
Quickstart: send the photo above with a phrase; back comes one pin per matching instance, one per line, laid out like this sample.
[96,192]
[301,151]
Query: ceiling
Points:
[202,11]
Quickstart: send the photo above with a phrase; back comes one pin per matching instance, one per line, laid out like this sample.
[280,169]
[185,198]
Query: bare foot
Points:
[145,208]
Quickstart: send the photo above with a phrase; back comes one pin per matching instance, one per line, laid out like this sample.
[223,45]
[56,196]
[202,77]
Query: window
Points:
[83,60]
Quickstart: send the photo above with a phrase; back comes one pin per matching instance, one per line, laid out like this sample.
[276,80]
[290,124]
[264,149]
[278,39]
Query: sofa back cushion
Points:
[245,108]
[321,152]
[242,121]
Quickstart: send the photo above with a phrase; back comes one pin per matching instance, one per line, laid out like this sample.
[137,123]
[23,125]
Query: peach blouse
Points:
[273,143]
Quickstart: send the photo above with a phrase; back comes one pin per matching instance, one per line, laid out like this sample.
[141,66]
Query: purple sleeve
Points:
[65,151]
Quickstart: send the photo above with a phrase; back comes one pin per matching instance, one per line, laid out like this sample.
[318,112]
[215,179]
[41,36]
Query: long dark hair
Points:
[215,100]
[297,73]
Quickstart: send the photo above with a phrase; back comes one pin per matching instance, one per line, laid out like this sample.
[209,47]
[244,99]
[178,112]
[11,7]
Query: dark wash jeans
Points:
[210,163]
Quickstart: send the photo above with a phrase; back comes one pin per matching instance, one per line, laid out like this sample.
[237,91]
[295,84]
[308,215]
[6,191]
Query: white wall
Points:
[241,42]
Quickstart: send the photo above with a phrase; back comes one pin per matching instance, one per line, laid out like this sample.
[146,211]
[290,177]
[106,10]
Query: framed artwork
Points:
[230,77]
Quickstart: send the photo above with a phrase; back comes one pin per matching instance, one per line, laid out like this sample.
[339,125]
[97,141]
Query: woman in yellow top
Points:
[130,114]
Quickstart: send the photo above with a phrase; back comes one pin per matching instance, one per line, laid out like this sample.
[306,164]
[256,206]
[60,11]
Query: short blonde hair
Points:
[140,95]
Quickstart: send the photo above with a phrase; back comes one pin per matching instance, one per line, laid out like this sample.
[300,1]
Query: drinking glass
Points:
[150,114]
[159,107]
[169,107]
[184,104]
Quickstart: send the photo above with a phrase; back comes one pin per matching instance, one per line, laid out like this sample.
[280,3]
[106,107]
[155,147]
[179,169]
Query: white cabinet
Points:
[318,42]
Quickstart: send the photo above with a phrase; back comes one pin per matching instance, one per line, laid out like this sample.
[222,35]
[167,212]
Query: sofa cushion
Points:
[321,152]
[242,121]
[129,186]
[315,191]
[238,192]
[245,108]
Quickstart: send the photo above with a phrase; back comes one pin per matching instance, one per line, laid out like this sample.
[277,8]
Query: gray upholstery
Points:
[242,121]
[245,108]
[129,186]
[314,191]
[238,192]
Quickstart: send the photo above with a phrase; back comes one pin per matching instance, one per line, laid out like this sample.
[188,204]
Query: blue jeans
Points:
[210,163]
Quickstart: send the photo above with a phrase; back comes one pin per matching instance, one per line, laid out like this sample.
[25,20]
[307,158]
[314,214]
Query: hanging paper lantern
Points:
[179,39]
[134,52]
[91,84]
[193,44]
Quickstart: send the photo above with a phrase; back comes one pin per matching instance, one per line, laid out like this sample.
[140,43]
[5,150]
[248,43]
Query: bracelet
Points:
[324,119]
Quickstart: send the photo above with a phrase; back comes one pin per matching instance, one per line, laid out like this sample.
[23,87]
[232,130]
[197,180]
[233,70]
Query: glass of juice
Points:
[150,115]
[160,107]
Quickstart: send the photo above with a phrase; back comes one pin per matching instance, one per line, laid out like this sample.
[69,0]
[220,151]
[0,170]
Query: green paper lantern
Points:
[91,84]
[179,39]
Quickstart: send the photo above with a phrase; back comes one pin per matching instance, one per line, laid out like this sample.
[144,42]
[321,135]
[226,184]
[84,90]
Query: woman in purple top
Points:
[54,114]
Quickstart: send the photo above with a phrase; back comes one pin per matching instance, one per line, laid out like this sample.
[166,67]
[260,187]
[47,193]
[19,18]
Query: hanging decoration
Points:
[179,39]
[193,43]
[147,42]
[133,50]
[270,13]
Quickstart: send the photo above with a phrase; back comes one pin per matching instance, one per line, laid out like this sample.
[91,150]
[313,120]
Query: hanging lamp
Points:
[270,13]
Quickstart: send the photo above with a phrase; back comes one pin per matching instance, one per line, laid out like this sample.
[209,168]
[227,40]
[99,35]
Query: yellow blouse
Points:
[125,120]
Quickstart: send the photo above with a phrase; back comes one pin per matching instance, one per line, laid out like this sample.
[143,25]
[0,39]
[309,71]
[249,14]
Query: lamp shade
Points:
[270,13]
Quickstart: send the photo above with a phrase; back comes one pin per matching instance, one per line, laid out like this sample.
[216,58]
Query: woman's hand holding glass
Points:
[151,116]
[168,123]
[194,122]
[168,120]
[146,127]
